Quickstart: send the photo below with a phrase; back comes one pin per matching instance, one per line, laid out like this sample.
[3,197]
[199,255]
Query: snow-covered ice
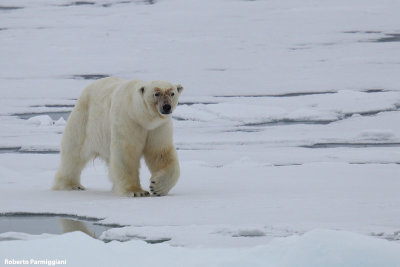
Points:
[315,248]
[41,120]
[288,130]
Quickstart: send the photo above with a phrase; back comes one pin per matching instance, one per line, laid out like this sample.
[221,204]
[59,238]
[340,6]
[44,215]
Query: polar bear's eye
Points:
[172,94]
[157,94]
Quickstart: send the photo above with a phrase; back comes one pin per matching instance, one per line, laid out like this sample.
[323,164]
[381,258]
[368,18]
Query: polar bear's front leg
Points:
[124,170]
[163,180]
[162,160]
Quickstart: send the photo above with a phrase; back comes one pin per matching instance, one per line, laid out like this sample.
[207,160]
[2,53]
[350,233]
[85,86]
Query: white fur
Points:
[119,121]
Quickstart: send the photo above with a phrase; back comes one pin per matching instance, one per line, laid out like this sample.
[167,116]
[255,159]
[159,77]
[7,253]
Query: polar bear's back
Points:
[100,89]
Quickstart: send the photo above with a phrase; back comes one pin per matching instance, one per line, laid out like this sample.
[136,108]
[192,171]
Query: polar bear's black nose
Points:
[166,109]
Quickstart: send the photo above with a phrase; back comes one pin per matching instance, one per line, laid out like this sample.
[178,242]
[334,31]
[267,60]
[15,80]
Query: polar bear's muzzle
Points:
[166,109]
[165,106]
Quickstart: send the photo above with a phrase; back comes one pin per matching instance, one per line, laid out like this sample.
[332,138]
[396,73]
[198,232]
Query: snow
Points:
[60,122]
[316,248]
[287,125]
[42,120]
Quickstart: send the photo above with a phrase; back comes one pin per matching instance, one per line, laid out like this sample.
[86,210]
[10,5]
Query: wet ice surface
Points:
[278,131]
[19,226]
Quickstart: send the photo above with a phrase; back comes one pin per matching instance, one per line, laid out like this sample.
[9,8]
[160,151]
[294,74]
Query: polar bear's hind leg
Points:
[73,154]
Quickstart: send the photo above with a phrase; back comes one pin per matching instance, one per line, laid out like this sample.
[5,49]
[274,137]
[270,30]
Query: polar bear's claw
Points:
[138,194]
[79,187]
[158,193]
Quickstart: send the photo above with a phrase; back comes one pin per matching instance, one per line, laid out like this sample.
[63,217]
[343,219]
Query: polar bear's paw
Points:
[160,187]
[77,187]
[130,191]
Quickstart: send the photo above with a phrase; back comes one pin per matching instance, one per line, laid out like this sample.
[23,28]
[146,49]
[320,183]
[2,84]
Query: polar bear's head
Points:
[161,97]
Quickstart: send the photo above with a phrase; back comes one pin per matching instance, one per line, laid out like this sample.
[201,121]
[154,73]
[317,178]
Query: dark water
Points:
[351,145]
[280,95]
[89,76]
[18,149]
[6,8]
[389,37]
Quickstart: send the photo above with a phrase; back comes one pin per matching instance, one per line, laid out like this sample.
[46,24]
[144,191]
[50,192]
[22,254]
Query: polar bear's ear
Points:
[141,90]
[179,88]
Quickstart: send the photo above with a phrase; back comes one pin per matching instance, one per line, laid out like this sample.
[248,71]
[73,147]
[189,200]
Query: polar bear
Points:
[120,121]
